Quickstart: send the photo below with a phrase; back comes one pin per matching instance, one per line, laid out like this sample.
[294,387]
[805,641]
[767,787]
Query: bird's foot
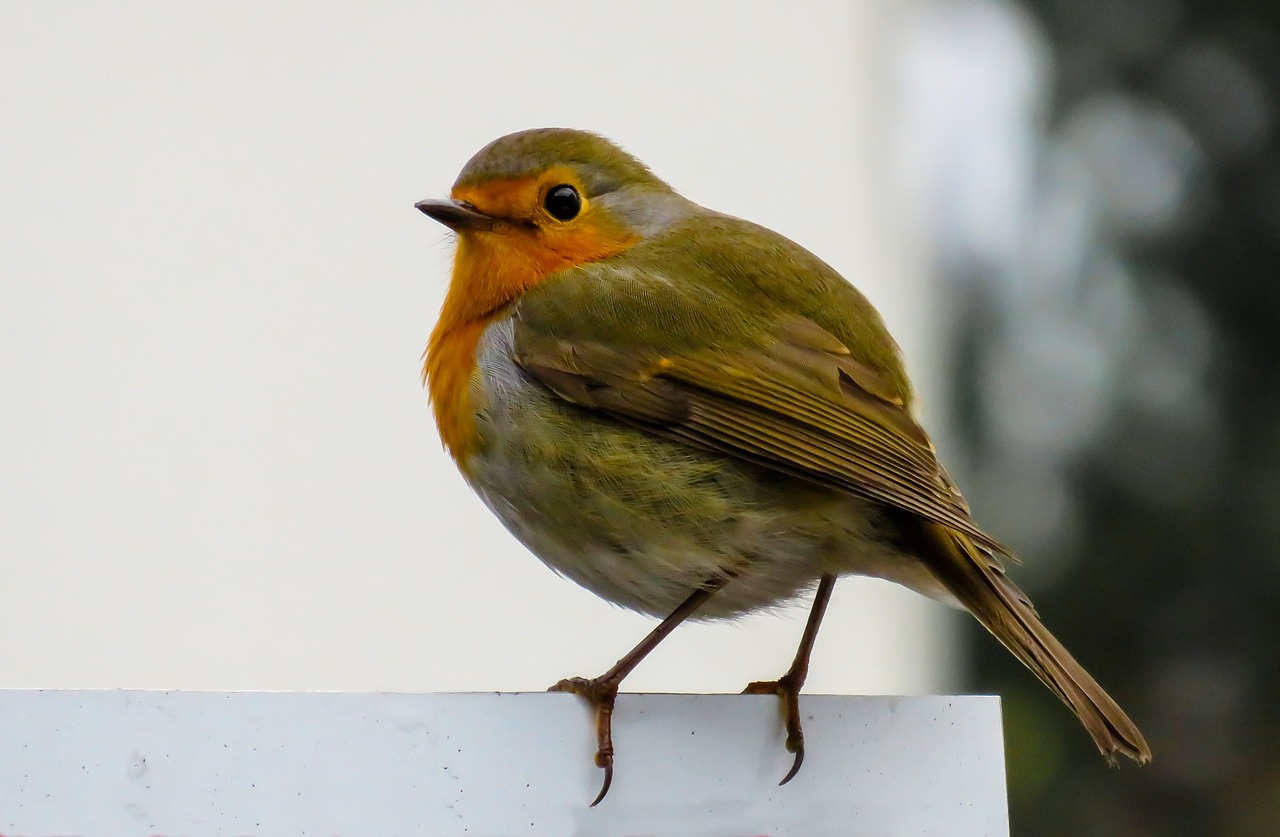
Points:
[787,688]
[601,694]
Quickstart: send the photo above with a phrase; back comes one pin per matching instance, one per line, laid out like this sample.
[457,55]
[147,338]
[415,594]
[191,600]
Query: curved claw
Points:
[795,765]
[604,788]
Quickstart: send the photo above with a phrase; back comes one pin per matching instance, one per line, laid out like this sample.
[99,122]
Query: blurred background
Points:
[217,469]
[1112,266]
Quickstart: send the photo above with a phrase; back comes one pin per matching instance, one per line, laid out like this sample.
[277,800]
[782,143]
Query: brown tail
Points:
[979,583]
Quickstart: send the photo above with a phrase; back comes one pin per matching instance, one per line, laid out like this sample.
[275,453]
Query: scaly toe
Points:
[788,692]
[601,694]
[574,686]
[763,687]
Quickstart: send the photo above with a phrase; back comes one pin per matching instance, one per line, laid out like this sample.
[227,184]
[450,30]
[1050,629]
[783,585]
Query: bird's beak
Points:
[457,215]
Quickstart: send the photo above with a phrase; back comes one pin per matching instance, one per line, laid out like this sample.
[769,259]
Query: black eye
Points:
[563,203]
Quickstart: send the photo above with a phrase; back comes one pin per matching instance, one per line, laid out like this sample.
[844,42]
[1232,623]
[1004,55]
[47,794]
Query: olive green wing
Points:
[780,392]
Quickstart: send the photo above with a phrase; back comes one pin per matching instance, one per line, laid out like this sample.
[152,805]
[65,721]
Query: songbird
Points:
[695,417]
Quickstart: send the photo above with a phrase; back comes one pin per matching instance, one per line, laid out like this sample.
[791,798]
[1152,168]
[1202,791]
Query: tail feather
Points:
[978,582]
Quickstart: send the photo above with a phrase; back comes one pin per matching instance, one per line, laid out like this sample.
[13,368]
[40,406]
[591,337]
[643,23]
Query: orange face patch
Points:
[491,269]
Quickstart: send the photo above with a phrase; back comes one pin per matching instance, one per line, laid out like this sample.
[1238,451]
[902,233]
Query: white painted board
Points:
[127,763]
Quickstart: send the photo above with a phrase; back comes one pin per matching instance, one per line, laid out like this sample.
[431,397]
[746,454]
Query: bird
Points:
[694,417]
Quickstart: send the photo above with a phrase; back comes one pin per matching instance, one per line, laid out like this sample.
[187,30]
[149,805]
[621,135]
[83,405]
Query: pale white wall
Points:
[217,467]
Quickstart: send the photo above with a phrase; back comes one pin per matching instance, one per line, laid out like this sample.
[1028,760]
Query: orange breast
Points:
[450,360]
[491,269]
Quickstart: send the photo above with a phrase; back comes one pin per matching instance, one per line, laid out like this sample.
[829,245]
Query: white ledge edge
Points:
[493,765]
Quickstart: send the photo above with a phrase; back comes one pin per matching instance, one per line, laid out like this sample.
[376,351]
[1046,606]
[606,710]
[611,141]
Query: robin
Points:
[694,417]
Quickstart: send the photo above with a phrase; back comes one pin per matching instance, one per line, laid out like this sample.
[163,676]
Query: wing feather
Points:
[780,404]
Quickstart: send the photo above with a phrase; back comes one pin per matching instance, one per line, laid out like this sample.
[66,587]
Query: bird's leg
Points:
[787,687]
[602,691]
